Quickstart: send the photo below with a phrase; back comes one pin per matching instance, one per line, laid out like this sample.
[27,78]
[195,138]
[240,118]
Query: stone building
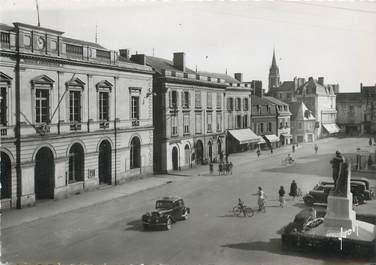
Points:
[356,111]
[321,100]
[263,120]
[188,114]
[368,94]
[237,118]
[74,115]
[302,123]
[282,120]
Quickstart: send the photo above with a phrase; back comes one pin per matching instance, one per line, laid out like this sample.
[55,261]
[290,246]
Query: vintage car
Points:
[321,192]
[168,210]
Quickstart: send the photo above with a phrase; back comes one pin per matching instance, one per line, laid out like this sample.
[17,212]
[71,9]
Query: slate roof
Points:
[226,77]
[262,102]
[158,64]
[349,97]
[313,87]
[287,86]
[300,110]
[84,43]
[275,100]
[6,27]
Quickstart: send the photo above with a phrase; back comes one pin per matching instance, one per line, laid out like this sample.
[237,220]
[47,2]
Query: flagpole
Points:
[36,2]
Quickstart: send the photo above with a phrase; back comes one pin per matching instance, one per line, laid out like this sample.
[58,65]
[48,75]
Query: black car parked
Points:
[168,210]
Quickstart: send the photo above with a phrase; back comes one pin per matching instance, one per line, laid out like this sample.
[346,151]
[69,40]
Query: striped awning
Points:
[244,136]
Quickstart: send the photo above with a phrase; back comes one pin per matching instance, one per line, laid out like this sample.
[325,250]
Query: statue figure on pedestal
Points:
[340,174]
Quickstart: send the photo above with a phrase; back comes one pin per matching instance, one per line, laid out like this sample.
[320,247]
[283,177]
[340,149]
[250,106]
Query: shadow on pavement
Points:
[136,225]
[319,166]
[275,246]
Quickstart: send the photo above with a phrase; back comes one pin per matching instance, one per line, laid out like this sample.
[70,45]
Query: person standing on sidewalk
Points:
[281,194]
[293,148]
[258,153]
[293,189]
[316,148]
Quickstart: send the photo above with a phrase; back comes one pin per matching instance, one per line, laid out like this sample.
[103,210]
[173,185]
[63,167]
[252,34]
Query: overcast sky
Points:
[336,40]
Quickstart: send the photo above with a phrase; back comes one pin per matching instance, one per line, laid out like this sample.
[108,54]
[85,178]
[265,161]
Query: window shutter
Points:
[189,99]
[182,99]
[170,99]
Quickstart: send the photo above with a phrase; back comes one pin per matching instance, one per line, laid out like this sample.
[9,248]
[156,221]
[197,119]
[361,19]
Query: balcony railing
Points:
[135,123]
[104,124]
[75,126]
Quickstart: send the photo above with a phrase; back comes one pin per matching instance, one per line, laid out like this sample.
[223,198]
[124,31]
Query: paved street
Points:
[110,231]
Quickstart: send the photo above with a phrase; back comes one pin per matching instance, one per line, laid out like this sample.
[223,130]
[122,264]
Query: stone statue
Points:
[340,174]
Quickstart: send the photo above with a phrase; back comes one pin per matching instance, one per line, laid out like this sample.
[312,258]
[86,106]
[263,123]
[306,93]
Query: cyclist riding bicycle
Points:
[241,206]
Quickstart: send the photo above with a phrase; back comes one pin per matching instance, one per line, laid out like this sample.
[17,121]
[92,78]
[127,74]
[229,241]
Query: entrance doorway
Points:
[199,152]
[104,163]
[44,174]
[187,154]
[175,161]
[6,176]
[210,151]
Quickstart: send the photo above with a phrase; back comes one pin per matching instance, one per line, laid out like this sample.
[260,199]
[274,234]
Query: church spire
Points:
[274,73]
[274,64]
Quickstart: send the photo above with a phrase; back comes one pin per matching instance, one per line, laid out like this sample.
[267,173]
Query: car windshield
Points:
[164,205]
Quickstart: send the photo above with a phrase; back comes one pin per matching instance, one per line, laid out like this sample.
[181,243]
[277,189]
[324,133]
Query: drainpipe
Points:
[115,130]
[17,129]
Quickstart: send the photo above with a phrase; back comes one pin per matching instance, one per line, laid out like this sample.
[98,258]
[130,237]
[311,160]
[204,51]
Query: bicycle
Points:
[247,211]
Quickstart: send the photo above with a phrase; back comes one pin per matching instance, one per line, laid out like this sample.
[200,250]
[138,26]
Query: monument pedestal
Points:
[340,213]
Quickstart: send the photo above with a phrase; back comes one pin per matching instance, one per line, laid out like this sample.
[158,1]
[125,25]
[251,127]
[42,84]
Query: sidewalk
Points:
[15,217]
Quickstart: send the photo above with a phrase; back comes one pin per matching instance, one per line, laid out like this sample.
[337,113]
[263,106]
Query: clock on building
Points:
[41,43]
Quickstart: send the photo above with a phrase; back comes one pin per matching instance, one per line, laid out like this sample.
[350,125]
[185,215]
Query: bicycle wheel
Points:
[236,210]
[249,212]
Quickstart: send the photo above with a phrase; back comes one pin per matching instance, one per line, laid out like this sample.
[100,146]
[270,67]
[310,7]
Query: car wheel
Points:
[168,224]
[308,201]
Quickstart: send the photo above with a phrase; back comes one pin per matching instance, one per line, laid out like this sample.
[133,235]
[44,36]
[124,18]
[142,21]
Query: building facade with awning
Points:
[240,139]
[331,128]
[271,139]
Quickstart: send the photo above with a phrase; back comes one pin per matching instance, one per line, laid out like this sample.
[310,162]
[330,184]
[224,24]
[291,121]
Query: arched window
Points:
[76,163]
[135,154]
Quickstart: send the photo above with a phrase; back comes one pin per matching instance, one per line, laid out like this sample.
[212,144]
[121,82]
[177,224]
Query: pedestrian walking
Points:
[281,194]
[271,150]
[258,153]
[293,148]
[260,199]
[220,168]
[370,141]
[211,167]
[230,165]
[316,148]
[293,189]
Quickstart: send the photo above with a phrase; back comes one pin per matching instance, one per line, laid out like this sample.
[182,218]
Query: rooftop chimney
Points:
[321,81]
[124,53]
[179,61]
[239,77]
[139,59]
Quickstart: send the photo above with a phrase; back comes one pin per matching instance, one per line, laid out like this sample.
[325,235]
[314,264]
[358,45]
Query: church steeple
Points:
[274,73]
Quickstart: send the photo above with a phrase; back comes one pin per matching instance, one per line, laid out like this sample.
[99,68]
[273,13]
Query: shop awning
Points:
[286,135]
[244,136]
[331,128]
[272,138]
[261,141]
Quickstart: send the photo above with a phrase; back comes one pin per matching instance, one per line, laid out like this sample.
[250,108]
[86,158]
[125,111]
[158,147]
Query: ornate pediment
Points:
[42,80]
[75,82]
[5,78]
[104,84]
